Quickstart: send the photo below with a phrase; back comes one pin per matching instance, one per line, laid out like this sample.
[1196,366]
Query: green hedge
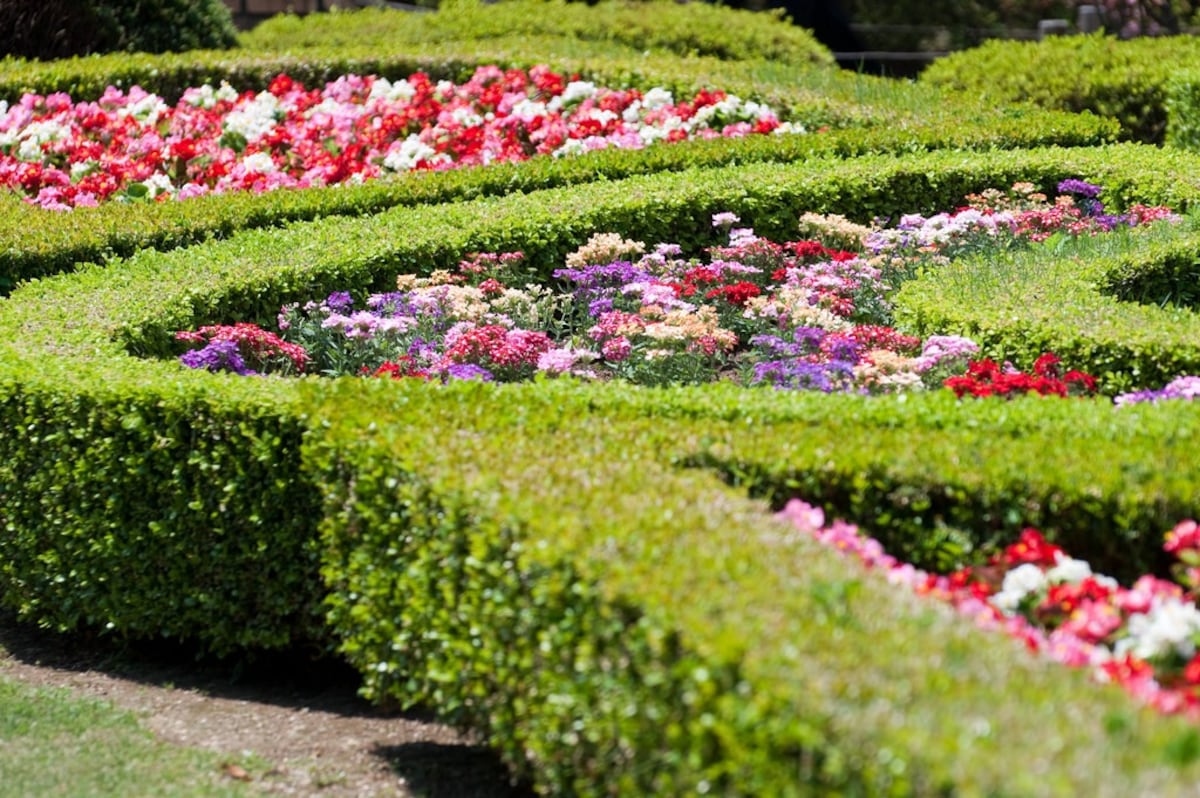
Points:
[1125,80]
[685,29]
[537,561]
[1183,110]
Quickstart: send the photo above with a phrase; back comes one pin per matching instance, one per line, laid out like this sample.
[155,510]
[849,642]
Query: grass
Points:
[53,744]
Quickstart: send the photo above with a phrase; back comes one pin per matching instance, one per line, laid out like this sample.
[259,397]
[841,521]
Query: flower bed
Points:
[811,314]
[132,145]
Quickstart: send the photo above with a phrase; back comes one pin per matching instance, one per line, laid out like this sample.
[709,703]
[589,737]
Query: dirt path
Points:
[319,737]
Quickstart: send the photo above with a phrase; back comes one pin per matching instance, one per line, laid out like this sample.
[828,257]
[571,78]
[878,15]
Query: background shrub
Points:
[60,28]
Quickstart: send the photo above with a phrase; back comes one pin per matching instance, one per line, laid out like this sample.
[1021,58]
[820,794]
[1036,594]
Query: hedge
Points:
[1125,80]
[564,584]
[684,29]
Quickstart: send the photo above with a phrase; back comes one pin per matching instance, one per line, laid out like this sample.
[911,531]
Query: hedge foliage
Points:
[558,567]
[1125,80]
[59,28]
[685,29]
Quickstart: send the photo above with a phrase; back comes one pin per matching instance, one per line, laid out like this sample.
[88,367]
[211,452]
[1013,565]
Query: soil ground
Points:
[304,719]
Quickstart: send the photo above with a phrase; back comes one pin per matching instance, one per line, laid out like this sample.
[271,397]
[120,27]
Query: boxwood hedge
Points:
[1126,80]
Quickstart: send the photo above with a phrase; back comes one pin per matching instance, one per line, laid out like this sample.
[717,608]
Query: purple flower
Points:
[841,347]
[468,371]
[217,356]
[422,350]
[802,375]
[393,303]
[339,302]
[1079,188]
[609,275]
[598,307]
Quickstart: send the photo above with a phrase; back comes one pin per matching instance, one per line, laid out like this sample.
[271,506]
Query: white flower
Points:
[527,109]
[158,184]
[383,89]
[255,119]
[1018,583]
[1068,569]
[466,116]
[1168,628]
[404,155]
[657,98]
[146,110]
[259,163]
[576,91]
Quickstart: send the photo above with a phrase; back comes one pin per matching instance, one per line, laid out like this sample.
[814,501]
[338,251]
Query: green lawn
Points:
[53,744]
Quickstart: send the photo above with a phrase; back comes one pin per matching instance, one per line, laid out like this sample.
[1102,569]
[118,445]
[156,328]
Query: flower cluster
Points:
[132,145]
[987,378]
[1143,637]
[238,347]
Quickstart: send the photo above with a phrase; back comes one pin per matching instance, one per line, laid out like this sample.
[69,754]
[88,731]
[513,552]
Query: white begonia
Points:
[255,119]
[652,133]
[146,110]
[158,184]
[786,128]
[259,163]
[466,116]
[403,156]
[600,115]
[383,89]
[570,147]
[327,106]
[1169,628]
[632,112]
[1068,569]
[35,135]
[729,108]
[657,98]
[444,88]
[1018,583]
[82,169]
[576,91]
[526,108]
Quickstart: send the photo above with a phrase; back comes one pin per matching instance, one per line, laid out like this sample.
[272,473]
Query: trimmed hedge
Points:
[562,583]
[684,29]
[1125,80]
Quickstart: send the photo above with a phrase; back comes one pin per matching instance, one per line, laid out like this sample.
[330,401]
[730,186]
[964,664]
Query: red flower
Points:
[737,294]
[1032,547]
